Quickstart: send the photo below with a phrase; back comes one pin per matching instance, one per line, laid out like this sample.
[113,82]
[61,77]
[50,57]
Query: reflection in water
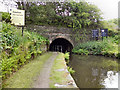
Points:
[112,80]
[95,71]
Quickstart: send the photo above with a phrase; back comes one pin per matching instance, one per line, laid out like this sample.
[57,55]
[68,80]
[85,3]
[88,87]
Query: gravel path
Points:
[43,78]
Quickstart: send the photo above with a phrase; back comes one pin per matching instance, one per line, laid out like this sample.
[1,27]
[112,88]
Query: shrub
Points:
[107,46]
[18,50]
[118,55]
[81,51]
[67,56]
[5,17]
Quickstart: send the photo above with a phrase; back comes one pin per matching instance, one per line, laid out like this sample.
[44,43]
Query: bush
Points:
[18,50]
[81,51]
[118,55]
[67,56]
[107,46]
[5,17]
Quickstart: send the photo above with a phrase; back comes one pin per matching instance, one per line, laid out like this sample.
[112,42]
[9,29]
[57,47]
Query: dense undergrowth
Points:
[18,50]
[108,47]
[28,74]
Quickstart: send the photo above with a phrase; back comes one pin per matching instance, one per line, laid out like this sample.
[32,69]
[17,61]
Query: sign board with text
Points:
[104,32]
[95,33]
[17,17]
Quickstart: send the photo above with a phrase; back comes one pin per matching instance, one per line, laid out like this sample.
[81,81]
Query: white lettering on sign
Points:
[18,17]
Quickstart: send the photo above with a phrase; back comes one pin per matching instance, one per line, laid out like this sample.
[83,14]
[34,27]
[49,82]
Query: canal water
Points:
[95,71]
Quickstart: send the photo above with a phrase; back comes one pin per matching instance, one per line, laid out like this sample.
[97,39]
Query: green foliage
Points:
[5,17]
[80,16]
[27,74]
[85,15]
[118,55]
[70,14]
[111,25]
[71,70]
[81,51]
[115,21]
[67,55]
[109,46]
[116,39]
[18,50]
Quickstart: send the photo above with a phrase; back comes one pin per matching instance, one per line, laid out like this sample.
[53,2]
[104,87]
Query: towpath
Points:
[42,81]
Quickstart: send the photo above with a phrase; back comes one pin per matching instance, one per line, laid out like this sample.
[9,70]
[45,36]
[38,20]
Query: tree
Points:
[81,16]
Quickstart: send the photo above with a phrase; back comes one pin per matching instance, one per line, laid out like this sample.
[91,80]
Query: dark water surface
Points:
[95,71]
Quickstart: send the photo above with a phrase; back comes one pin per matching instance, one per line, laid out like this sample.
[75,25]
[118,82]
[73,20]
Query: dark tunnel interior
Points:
[61,45]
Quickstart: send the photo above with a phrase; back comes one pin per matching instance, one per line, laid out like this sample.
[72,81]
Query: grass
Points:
[58,76]
[16,50]
[25,76]
[109,46]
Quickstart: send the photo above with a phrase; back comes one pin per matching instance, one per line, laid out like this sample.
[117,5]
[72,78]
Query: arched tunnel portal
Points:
[61,45]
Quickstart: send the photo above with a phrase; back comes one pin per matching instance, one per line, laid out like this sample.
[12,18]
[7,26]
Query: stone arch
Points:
[64,37]
[61,44]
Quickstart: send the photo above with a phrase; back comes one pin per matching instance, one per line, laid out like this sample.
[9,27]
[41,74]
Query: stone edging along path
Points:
[38,73]
[71,83]
[44,81]
[60,75]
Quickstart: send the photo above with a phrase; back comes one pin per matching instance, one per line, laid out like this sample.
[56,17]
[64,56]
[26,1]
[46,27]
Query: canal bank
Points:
[107,47]
[60,76]
[46,71]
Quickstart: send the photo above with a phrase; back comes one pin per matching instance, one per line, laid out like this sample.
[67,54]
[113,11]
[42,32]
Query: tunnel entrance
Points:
[61,45]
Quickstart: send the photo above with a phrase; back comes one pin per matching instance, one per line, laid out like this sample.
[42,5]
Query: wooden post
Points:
[22,30]
[102,38]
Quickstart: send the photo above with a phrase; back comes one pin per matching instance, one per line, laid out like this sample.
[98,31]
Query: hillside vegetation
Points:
[80,16]
[17,50]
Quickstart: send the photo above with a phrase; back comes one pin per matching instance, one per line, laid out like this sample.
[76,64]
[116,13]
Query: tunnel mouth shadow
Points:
[61,45]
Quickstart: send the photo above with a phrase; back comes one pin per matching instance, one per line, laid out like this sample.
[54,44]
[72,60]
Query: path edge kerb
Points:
[60,76]
[70,78]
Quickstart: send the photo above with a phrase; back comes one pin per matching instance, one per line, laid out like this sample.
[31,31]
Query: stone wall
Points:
[52,32]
